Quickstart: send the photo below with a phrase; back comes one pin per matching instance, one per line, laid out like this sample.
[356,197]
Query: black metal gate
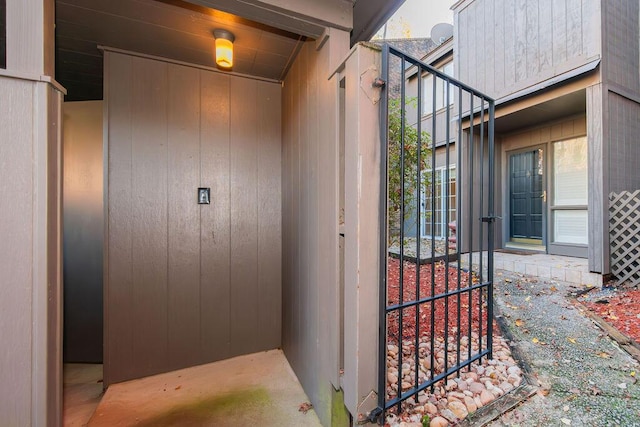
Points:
[436,289]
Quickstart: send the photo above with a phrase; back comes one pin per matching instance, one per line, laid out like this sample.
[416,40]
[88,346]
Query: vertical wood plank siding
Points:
[624,149]
[16,262]
[30,254]
[311,318]
[187,284]
[598,193]
[214,225]
[505,46]
[622,53]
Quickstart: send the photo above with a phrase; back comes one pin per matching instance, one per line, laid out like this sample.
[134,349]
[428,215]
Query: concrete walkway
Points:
[254,390]
[562,268]
[584,378]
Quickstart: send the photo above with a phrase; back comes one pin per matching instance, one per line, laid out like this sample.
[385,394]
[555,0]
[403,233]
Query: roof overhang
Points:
[546,84]
[369,16]
[554,98]
[310,17]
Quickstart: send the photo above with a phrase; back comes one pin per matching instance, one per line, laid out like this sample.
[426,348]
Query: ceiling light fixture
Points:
[224,48]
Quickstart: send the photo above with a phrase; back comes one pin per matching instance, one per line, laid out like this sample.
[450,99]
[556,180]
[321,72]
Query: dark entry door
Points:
[526,196]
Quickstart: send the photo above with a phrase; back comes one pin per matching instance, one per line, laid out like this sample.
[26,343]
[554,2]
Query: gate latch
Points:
[490,218]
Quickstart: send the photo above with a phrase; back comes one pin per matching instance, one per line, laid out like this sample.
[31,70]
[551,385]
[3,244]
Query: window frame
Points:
[441,90]
[560,247]
[444,224]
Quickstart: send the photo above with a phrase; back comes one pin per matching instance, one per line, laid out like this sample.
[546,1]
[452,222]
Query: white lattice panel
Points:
[624,231]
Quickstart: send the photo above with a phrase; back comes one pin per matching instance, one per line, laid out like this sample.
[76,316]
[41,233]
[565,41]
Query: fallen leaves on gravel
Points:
[595,391]
[621,310]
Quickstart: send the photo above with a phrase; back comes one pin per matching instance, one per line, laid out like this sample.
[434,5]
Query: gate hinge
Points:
[374,416]
[490,218]
[378,82]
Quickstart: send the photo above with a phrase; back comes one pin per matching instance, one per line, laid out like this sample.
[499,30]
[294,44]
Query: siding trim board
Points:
[182,63]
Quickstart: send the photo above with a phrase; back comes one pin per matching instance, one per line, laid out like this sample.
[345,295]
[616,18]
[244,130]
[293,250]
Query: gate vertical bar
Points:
[491,225]
[433,216]
[418,232]
[459,225]
[470,230]
[446,228]
[481,224]
[384,223]
[403,108]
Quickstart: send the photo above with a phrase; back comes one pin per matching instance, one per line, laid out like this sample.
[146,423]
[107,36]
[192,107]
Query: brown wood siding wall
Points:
[624,149]
[503,46]
[187,283]
[621,105]
[311,316]
[622,44]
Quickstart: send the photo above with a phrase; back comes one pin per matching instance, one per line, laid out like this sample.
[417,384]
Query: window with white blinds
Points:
[570,191]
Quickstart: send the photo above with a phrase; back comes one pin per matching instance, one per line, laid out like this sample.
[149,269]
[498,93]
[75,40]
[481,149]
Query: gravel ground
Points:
[454,399]
[585,379]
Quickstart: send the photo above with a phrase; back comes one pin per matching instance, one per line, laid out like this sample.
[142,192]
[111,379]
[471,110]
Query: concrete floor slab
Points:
[256,389]
[82,392]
